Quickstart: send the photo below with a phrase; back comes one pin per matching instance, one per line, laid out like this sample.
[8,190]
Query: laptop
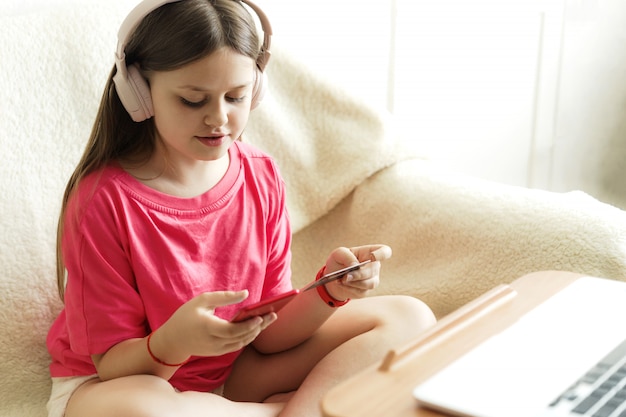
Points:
[566,357]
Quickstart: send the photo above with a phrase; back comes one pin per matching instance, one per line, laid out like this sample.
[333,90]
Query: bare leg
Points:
[356,336]
[150,396]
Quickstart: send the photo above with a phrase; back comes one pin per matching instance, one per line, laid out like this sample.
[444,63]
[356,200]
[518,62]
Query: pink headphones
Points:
[133,89]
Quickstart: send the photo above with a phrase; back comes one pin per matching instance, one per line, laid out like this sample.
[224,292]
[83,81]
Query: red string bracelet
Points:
[325,295]
[159,361]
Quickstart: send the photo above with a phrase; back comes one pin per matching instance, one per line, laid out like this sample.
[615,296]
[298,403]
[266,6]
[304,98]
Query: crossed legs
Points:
[357,335]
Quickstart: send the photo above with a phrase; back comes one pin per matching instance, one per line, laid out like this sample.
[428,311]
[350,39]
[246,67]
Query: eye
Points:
[193,104]
[236,99]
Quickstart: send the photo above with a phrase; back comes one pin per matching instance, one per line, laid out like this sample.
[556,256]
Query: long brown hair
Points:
[168,38]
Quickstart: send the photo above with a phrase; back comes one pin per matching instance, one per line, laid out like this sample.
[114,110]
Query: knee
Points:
[409,314]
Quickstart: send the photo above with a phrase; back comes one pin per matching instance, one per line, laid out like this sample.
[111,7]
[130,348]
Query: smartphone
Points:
[333,276]
[263,307]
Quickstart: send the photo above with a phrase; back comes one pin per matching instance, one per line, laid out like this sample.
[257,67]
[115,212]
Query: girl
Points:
[170,225]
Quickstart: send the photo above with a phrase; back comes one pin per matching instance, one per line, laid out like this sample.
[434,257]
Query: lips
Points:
[214,137]
[213,140]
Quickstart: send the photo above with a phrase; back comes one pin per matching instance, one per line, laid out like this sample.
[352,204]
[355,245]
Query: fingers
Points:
[255,324]
[381,253]
[195,329]
[211,300]
[358,283]
[243,333]
[342,256]
[372,252]
[364,279]
[223,329]
[218,337]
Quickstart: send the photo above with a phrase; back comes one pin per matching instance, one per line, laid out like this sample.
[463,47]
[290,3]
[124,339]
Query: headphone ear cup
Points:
[259,90]
[134,93]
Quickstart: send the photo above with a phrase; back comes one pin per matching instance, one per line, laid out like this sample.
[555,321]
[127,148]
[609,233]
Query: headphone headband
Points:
[136,16]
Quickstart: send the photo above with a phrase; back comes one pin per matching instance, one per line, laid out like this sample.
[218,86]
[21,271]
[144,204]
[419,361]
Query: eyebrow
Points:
[203,90]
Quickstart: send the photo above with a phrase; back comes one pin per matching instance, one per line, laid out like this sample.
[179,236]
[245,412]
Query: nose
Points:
[217,114]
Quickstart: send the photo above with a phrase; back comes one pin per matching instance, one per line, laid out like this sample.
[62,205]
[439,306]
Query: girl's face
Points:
[201,108]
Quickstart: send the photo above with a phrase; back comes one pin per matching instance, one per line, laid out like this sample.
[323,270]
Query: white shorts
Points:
[62,390]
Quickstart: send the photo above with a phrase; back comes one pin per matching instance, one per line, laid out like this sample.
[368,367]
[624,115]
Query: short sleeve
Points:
[102,303]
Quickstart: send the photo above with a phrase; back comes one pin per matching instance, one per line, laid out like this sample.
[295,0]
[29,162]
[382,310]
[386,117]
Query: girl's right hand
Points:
[194,330]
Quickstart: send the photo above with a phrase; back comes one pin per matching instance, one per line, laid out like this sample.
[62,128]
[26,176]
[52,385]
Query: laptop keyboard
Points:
[601,392]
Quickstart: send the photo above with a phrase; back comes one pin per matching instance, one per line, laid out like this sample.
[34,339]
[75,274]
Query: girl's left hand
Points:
[358,283]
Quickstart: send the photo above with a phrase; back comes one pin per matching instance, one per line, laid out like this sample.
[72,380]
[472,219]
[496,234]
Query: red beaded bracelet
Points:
[325,295]
[159,361]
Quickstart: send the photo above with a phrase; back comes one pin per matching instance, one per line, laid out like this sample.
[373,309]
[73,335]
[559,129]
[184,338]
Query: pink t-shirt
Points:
[134,255]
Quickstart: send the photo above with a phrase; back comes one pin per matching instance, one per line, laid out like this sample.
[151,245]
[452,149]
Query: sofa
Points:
[349,178]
